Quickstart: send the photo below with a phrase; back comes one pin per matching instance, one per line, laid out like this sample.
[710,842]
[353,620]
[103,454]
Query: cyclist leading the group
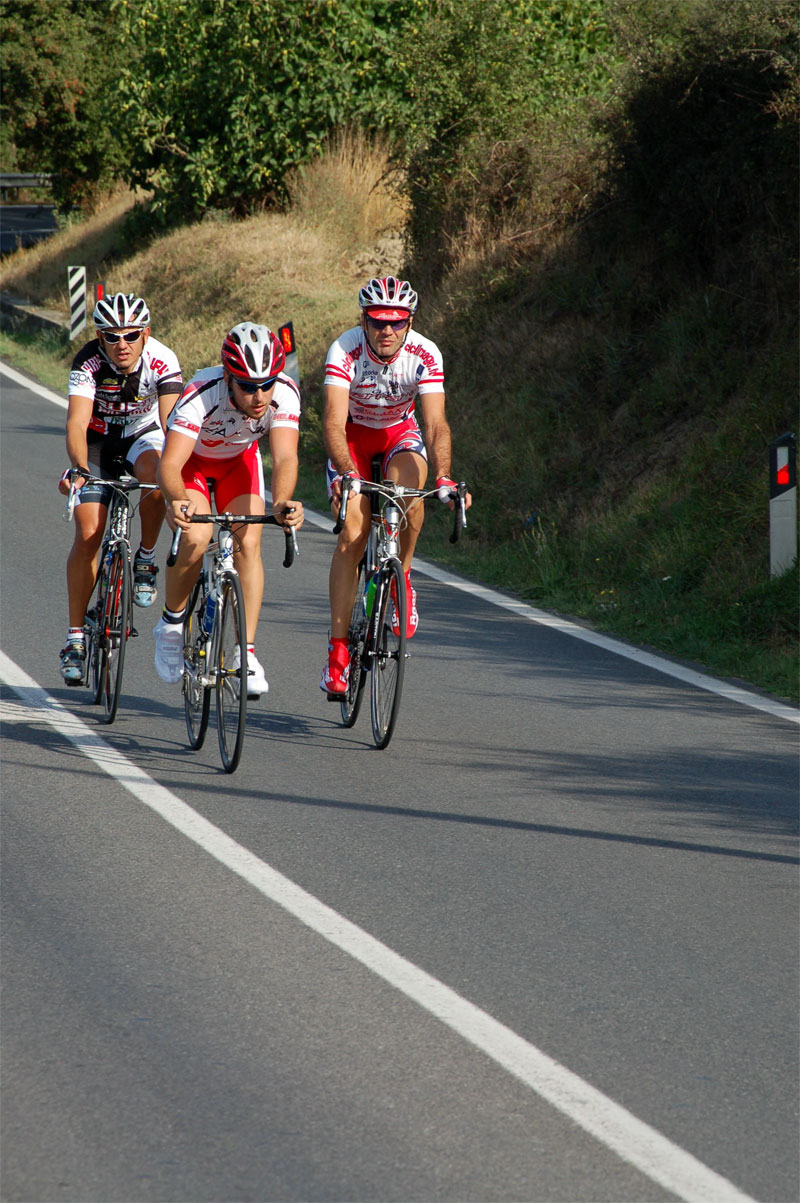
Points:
[373,376]
[122,386]
[212,448]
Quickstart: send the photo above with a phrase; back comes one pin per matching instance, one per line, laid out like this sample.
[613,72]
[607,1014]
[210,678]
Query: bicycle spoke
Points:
[389,653]
[196,695]
[231,671]
[356,635]
[116,626]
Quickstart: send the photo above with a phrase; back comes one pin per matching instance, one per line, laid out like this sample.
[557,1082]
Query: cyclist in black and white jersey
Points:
[122,386]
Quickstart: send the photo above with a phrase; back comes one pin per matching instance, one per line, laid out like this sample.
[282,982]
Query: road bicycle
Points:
[108,624]
[215,637]
[377,631]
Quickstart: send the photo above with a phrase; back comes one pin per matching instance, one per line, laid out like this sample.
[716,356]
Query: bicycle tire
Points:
[114,629]
[196,695]
[388,659]
[93,674]
[356,642]
[231,666]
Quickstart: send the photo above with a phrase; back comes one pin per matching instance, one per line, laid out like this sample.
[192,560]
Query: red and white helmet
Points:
[391,298]
[252,352]
[121,310]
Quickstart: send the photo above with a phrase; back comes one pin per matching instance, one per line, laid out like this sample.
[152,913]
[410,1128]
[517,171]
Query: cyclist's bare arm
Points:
[337,407]
[283,444]
[79,413]
[166,403]
[177,449]
[437,438]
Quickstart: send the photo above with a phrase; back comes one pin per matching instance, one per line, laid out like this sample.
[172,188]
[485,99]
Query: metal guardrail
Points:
[21,179]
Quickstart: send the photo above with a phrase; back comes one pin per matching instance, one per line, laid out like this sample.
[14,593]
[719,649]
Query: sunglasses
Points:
[377,323]
[130,336]
[251,387]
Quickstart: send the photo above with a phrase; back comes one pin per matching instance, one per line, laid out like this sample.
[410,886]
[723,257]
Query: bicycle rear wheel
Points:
[231,671]
[356,637]
[114,629]
[196,695]
[389,652]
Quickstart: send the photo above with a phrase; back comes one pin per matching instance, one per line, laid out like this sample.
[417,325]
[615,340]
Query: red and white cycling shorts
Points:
[228,479]
[366,443]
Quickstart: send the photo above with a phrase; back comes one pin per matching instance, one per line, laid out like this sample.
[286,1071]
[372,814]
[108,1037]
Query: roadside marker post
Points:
[291,368]
[782,503]
[76,279]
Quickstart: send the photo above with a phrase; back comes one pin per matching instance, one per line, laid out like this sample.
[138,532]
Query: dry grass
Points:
[344,223]
[39,273]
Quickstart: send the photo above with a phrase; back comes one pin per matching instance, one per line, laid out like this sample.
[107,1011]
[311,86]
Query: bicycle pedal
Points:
[335,697]
[133,633]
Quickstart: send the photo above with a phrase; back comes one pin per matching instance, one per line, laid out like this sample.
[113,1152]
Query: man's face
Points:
[123,346]
[252,397]
[384,334]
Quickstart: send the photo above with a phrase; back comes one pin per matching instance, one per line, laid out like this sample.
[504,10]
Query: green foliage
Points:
[495,71]
[58,61]
[222,98]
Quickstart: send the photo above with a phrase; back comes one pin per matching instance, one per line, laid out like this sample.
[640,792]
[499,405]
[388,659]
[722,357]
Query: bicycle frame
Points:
[209,663]
[108,622]
[377,642]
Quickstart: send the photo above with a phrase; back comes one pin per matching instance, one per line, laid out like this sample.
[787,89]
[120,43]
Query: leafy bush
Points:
[222,98]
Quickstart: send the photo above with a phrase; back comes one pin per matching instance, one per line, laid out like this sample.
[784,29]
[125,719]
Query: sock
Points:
[173,616]
[251,647]
[75,635]
[141,554]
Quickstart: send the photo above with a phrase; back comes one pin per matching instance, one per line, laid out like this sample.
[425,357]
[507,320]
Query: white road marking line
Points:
[688,675]
[612,1125]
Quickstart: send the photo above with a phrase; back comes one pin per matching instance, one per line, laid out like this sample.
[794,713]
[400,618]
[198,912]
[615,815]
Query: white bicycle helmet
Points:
[121,310]
[252,352]
[387,292]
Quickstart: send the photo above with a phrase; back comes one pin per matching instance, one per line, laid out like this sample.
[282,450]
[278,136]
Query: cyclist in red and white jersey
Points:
[373,377]
[122,386]
[212,449]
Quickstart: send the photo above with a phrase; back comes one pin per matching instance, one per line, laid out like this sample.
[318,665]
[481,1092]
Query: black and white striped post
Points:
[291,368]
[782,504]
[76,277]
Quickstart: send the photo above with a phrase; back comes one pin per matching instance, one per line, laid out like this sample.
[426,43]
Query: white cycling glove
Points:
[444,487]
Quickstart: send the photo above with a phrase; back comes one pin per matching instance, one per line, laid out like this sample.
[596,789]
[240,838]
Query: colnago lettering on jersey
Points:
[205,413]
[124,403]
[383,394]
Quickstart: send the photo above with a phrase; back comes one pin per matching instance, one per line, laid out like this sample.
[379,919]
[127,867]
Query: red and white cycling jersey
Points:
[383,394]
[205,412]
[124,405]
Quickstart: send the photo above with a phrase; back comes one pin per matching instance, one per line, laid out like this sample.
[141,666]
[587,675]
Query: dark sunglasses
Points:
[129,337]
[251,387]
[377,323]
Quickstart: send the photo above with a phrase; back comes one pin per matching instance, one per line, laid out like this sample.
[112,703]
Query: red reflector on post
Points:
[286,335]
[783,475]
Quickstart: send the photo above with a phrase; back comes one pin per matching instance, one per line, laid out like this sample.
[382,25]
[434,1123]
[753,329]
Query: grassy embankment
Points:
[611,411]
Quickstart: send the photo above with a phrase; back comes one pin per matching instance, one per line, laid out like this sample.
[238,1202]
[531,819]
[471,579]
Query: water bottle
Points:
[208,614]
[369,596]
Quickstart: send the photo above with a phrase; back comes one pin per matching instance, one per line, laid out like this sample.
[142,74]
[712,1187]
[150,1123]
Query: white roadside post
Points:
[782,504]
[76,278]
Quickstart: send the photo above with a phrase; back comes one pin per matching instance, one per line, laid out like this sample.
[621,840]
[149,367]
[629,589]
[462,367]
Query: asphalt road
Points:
[543,947]
[24,225]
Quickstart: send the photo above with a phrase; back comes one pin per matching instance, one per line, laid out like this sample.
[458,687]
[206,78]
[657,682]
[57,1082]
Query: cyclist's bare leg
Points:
[343,579]
[247,557]
[409,469]
[180,578]
[151,509]
[90,522]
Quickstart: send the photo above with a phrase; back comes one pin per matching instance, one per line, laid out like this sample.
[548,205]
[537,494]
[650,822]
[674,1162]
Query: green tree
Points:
[223,97]
[58,64]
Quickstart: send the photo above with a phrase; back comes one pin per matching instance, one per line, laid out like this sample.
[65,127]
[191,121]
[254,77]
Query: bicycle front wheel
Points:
[114,610]
[356,636]
[388,661]
[231,671]
[196,694]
